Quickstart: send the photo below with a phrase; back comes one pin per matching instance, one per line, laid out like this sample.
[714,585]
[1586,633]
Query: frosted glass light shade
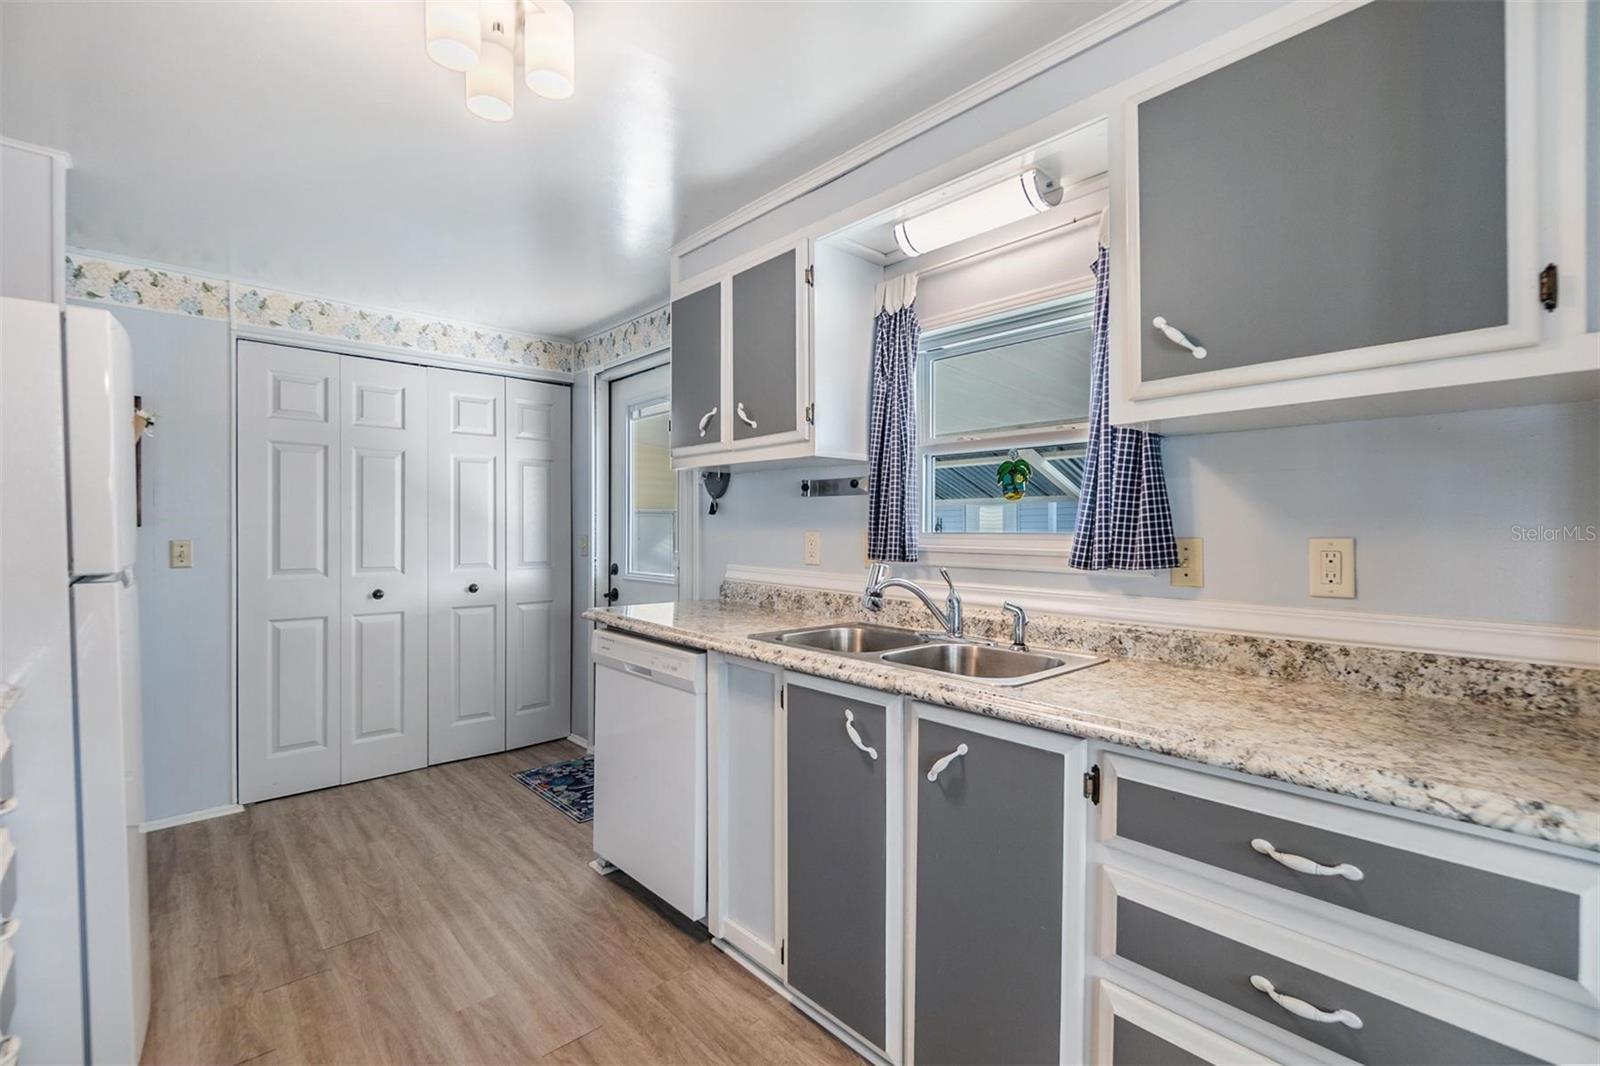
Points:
[455,34]
[549,48]
[978,212]
[492,83]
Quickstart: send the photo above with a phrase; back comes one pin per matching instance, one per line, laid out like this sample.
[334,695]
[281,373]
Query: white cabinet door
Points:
[466,565]
[288,570]
[538,562]
[747,819]
[385,585]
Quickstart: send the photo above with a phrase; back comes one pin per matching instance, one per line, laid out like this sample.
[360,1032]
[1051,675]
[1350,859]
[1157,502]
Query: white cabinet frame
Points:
[1074,868]
[1545,138]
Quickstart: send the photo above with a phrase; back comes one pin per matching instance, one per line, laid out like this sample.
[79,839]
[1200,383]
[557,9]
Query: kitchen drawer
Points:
[1364,1010]
[1130,1030]
[1508,901]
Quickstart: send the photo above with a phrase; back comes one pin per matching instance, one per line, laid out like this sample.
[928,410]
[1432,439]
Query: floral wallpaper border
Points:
[649,331]
[91,277]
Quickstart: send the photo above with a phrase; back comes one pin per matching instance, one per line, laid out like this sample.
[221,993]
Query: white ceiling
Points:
[314,147]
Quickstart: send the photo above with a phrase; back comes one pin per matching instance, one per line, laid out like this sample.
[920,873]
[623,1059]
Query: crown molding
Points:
[1117,20]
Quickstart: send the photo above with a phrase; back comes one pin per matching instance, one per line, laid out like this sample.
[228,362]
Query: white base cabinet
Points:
[399,603]
[938,886]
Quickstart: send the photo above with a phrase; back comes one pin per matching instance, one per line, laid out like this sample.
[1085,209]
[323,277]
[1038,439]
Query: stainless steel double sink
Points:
[933,654]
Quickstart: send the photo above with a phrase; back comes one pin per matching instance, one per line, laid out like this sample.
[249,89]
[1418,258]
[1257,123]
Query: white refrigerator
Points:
[88,407]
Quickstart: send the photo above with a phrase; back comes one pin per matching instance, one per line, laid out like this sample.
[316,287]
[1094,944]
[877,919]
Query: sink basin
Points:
[999,666]
[851,639]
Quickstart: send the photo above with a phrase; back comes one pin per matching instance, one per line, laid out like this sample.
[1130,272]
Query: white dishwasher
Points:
[650,765]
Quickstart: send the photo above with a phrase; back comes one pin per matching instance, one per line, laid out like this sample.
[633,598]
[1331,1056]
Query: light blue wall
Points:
[181,368]
[1432,500]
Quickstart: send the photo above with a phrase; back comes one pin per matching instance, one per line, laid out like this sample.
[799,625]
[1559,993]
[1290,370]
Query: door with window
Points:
[643,539]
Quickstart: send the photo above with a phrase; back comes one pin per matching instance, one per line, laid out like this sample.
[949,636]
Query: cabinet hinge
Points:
[1091,785]
[780,698]
[811,414]
[783,950]
[811,276]
[1549,288]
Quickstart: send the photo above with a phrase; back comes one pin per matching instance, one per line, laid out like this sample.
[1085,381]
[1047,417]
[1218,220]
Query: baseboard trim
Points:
[193,816]
[582,742]
[1467,638]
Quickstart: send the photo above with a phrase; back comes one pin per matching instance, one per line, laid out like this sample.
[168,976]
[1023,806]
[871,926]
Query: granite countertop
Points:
[1528,772]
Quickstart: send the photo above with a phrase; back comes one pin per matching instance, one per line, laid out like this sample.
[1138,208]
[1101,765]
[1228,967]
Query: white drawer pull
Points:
[705,420]
[10,1050]
[8,929]
[8,805]
[1301,1009]
[1302,865]
[1176,336]
[738,409]
[855,738]
[939,766]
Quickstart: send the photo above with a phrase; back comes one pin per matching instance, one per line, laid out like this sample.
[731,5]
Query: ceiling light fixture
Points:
[989,208]
[480,37]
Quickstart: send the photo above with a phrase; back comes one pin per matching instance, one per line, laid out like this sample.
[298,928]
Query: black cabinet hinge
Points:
[1091,785]
[1549,287]
[811,276]
[811,414]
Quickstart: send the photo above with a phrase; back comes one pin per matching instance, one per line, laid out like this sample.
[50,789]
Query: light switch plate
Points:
[1331,564]
[813,548]
[1190,572]
[180,554]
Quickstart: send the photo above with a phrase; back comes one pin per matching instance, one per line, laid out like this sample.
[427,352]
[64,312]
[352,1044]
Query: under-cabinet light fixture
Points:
[978,212]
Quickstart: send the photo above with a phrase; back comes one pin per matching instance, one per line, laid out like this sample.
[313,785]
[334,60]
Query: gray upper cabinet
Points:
[697,368]
[989,899]
[838,855]
[1342,189]
[766,358]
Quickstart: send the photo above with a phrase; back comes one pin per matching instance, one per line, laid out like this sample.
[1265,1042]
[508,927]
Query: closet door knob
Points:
[377,594]
[473,587]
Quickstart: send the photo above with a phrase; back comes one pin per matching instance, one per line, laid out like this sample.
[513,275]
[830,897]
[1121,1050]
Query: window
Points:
[652,495]
[1018,381]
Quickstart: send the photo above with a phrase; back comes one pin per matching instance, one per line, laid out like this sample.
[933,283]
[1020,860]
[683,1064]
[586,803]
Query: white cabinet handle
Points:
[1176,336]
[705,420]
[738,409]
[855,738]
[8,929]
[939,765]
[1302,865]
[10,1050]
[8,805]
[1301,1009]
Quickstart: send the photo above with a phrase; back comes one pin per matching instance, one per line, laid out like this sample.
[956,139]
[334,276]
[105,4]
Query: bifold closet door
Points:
[385,588]
[538,562]
[466,565]
[289,478]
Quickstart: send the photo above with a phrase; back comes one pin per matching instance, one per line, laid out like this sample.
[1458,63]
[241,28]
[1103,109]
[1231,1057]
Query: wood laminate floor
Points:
[444,915]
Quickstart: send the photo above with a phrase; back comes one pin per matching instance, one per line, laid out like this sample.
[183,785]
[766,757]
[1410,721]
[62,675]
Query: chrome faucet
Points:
[878,579]
[1019,624]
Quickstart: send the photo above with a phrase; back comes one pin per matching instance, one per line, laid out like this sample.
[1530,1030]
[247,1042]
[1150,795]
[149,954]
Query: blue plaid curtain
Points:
[892,511]
[1124,516]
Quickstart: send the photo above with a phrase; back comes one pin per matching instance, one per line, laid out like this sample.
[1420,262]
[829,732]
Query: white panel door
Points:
[466,565]
[288,570]
[538,562]
[384,621]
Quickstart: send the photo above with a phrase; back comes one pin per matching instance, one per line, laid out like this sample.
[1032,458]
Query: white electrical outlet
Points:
[180,554]
[813,548]
[1331,563]
[1190,572]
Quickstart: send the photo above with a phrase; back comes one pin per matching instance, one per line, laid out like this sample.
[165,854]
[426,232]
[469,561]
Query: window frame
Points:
[994,551]
[643,409]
